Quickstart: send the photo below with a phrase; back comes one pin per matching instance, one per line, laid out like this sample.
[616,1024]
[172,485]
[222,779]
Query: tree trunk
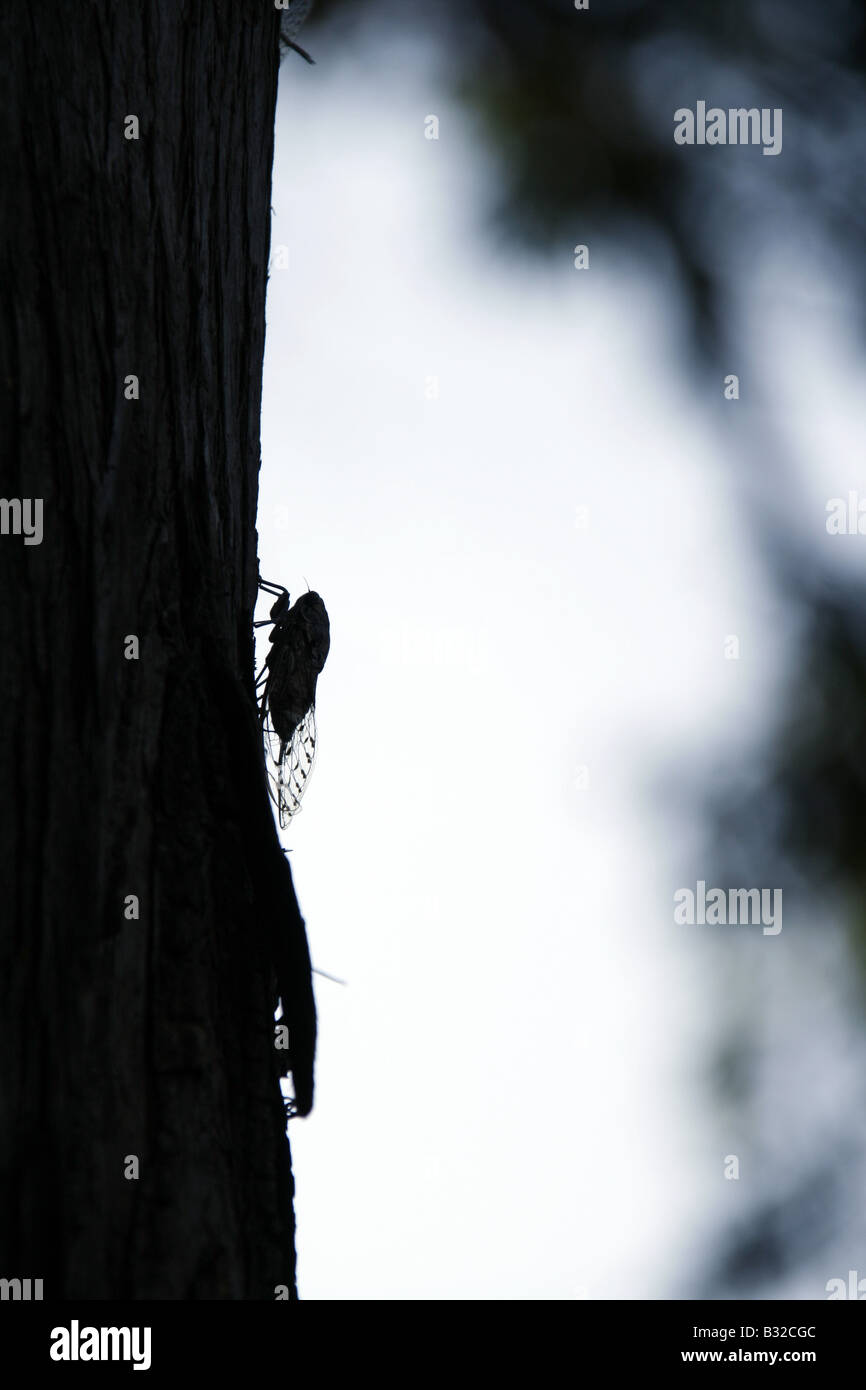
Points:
[148,912]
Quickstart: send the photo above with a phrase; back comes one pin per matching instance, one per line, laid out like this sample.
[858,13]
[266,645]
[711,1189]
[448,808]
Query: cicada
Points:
[286,686]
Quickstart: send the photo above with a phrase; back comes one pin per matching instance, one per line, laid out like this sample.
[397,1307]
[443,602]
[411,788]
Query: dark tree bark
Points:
[154,1036]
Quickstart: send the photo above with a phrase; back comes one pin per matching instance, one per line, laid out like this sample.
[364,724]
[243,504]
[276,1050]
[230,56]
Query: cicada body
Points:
[300,640]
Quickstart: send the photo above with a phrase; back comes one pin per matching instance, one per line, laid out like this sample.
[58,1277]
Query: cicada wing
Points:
[273,752]
[294,766]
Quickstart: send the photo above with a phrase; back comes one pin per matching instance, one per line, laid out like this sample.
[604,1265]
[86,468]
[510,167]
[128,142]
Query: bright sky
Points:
[505,1101]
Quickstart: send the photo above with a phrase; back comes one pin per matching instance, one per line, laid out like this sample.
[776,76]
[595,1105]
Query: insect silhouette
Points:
[286,687]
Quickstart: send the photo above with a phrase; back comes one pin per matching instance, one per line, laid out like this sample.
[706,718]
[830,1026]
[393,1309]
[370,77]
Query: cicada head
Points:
[281,607]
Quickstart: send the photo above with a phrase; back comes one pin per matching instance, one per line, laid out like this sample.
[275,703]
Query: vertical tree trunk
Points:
[134,784]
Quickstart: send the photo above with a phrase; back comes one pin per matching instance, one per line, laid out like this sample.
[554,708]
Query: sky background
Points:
[528,527]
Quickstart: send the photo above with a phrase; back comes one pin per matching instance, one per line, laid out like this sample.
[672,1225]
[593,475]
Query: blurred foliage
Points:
[810,790]
[575,109]
[577,112]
